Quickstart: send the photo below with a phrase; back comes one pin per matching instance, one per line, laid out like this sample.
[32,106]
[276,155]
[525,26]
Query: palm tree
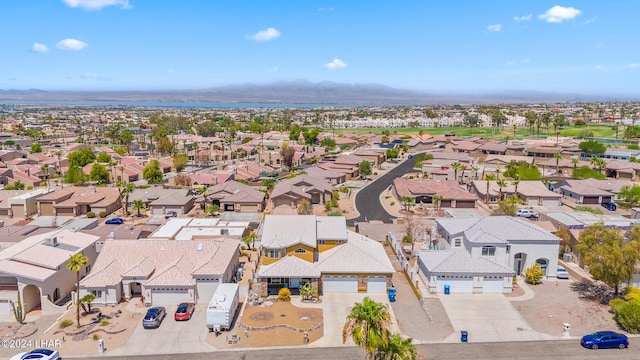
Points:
[126,190]
[436,199]
[76,262]
[398,348]
[501,184]
[305,207]
[250,239]
[58,154]
[515,183]
[475,170]
[575,161]
[203,191]
[557,156]
[455,166]
[368,325]
[489,178]
[45,170]
[138,205]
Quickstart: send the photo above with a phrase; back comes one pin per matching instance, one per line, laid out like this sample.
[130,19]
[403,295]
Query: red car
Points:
[184,311]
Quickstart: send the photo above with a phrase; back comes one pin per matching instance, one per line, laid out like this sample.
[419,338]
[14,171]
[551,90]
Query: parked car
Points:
[184,311]
[170,214]
[154,316]
[605,340]
[530,214]
[115,221]
[42,354]
[562,273]
[611,206]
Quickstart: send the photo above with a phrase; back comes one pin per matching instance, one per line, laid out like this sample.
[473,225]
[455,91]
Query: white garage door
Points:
[377,284]
[550,202]
[172,296]
[206,290]
[5,308]
[177,209]
[492,285]
[159,210]
[340,284]
[456,284]
[532,201]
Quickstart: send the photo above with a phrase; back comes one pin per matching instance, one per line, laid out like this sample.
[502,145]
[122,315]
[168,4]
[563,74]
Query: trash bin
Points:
[464,336]
[101,345]
[447,289]
[392,294]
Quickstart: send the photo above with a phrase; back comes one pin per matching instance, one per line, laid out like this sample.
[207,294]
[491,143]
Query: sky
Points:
[463,46]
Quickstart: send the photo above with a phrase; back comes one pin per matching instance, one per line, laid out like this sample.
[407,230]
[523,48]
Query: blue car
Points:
[114,221]
[605,340]
[611,206]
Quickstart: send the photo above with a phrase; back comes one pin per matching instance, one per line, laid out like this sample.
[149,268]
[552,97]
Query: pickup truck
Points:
[530,214]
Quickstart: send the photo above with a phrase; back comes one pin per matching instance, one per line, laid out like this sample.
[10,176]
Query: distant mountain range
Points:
[303,91]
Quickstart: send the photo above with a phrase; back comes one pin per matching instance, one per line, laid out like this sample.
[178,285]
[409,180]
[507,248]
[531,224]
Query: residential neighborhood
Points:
[104,239]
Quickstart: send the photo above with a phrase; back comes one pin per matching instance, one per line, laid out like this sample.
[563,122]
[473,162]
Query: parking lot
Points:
[171,337]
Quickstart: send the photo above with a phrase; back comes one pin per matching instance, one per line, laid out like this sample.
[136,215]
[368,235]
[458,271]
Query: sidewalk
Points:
[528,292]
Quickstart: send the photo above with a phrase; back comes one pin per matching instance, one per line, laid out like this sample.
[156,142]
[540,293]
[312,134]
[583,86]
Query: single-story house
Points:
[423,191]
[159,200]
[75,201]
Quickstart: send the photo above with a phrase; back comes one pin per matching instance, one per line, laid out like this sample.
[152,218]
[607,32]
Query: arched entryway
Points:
[31,298]
[544,263]
[135,289]
[518,262]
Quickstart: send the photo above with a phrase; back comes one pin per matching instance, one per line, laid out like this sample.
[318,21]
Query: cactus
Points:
[18,312]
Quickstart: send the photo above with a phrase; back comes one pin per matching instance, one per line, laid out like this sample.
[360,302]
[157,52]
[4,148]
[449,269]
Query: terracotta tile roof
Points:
[448,189]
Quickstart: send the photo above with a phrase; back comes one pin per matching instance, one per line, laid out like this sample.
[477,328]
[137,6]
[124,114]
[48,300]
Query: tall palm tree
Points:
[58,154]
[126,191]
[45,170]
[558,157]
[436,199]
[489,178]
[501,184]
[76,262]
[575,161]
[398,348]
[203,191]
[138,205]
[475,170]
[368,325]
[455,166]
[515,183]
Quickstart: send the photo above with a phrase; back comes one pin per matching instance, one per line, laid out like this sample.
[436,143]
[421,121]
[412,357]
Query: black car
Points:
[154,317]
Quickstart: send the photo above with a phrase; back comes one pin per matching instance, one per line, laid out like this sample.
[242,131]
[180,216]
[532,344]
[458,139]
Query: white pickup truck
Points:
[530,214]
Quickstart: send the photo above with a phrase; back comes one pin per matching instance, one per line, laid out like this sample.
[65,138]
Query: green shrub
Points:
[334,213]
[633,147]
[104,322]
[628,316]
[284,294]
[533,274]
[589,209]
[65,323]
[96,337]
[91,214]
[103,214]
[393,203]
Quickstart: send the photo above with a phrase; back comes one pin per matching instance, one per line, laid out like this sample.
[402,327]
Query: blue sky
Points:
[588,47]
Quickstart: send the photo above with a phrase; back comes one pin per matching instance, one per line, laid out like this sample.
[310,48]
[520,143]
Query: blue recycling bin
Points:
[447,289]
[464,336]
[392,294]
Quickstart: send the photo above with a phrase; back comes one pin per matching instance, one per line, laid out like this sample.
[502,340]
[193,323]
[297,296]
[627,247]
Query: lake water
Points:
[167,104]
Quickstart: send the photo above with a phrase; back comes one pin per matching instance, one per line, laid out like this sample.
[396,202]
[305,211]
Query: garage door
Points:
[445,203]
[46,209]
[465,204]
[550,202]
[377,284]
[532,200]
[64,212]
[590,200]
[17,210]
[206,290]
[340,284]
[177,209]
[169,296]
[158,210]
[492,285]
[5,308]
[457,284]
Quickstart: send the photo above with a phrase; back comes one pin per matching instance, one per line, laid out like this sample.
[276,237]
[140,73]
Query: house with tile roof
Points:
[36,267]
[159,200]
[532,192]
[236,196]
[77,200]
[296,249]
[481,255]
[423,191]
[164,272]
[590,191]
[290,192]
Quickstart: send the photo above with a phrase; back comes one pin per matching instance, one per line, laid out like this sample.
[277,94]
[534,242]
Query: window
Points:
[508,249]
[274,254]
[275,280]
[300,251]
[97,293]
[488,250]
[321,242]
[458,242]
[340,242]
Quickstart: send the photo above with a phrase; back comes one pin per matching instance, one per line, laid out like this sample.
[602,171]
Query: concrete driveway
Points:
[335,308]
[487,318]
[172,337]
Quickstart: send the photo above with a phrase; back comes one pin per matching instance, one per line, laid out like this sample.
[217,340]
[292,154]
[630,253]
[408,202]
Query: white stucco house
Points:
[37,268]
[481,255]
[161,272]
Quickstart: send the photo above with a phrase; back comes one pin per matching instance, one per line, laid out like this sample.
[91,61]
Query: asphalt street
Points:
[368,199]
[527,350]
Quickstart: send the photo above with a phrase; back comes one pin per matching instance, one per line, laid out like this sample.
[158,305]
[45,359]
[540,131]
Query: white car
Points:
[38,354]
[562,273]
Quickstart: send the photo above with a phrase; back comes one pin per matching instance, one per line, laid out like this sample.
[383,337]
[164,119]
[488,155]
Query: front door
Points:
[294,283]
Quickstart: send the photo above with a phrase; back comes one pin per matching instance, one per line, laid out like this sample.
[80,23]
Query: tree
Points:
[592,147]
[475,170]
[287,153]
[180,162]
[212,209]
[364,168]
[36,148]
[103,157]
[138,205]
[88,299]
[407,201]
[58,154]
[76,262]
[250,240]
[81,157]
[489,178]
[305,207]
[126,138]
[45,170]
[558,157]
[501,184]
[126,191]
[631,194]
[397,348]
[368,325]
[575,161]
[328,143]
[74,175]
[533,274]
[152,172]
[455,166]
[99,173]
[437,200]
[392,153]
[609,256]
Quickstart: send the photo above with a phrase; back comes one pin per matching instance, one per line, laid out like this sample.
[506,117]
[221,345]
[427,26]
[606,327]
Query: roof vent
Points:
[200,247]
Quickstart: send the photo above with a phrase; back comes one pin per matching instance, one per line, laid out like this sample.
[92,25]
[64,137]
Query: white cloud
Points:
[97,4]
[558,14]
[93,76]
[633,66]
[37,47]
[335,64]
[71,44]
[523,18]
[590,21]
[494,28]
[266,35]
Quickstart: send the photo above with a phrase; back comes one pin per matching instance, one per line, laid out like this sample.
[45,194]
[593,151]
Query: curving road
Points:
[367,200]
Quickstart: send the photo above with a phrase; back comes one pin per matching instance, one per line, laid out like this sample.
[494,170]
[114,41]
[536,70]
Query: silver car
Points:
[562,273]
[154,317]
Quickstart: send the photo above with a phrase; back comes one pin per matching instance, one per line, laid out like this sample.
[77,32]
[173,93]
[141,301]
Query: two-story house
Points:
[481,255]
[296,249]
